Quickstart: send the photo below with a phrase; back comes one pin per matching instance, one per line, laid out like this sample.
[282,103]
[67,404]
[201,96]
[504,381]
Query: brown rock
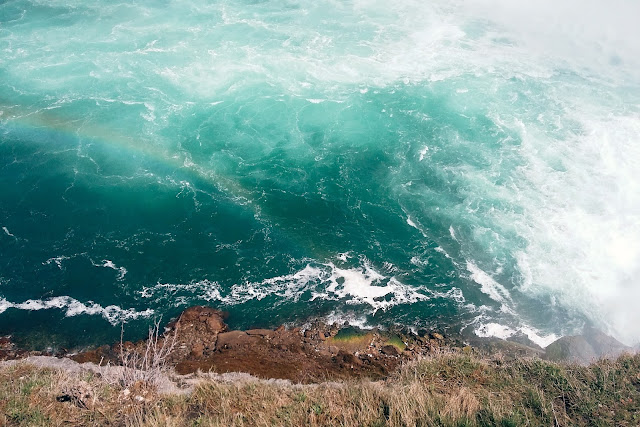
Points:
[389,350]
[437,336]
[215,323]
[201,314]
[324,352]
[348,358]
[235,339]
[191,313]
[197,349]
[267,333]
[5,342]
[205,344]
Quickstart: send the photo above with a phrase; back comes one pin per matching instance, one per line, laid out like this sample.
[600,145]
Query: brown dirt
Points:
[204,343]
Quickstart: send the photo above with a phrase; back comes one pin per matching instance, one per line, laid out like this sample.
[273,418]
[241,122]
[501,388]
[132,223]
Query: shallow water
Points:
[465,165]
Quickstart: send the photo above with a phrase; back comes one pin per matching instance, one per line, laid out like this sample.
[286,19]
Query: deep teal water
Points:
[467,165]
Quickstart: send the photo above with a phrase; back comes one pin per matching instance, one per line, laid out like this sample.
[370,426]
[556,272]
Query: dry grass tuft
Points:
[145,366]
[462,403]
[448,389]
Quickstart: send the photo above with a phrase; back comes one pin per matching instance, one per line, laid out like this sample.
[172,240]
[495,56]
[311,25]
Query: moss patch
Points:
[395,341]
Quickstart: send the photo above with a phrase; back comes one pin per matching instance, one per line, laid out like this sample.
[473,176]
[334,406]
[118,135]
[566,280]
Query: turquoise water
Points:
[465,165]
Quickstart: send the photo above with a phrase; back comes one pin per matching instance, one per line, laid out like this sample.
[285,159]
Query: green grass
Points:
[445,390]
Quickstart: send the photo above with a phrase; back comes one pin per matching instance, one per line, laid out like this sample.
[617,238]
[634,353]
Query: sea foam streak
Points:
[112,313]
[505,332]
[355,286]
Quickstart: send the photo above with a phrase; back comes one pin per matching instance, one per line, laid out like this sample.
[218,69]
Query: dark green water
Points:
[422,165]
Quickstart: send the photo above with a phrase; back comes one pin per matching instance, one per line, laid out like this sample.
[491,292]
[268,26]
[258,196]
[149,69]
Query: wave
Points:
[72,307]
[362,286]
[497,330]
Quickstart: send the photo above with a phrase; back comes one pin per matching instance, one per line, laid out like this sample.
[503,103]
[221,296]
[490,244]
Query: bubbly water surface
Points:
[466,165]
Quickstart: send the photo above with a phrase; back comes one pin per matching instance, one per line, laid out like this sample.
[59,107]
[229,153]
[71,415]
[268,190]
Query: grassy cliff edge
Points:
[442,389]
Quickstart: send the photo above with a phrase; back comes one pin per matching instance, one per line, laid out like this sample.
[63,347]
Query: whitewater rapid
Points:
[472,162]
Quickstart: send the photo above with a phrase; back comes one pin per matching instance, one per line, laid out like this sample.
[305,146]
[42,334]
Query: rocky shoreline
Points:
[200,341]
[318,353]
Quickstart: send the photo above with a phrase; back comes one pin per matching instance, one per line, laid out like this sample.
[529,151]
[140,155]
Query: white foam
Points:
[365,285]
[404,42]
[599,35]
[206,289]
[423,152]
[537,337]
[112,313]
[494,330]
[355,286]
[353,319]
[415,260]
[580,219]
[488,285]
[7,232]
[109,264]
[504,332]
[411,223]
[443,252]
[57,260]
[452,233]
[454,294]
[344,256]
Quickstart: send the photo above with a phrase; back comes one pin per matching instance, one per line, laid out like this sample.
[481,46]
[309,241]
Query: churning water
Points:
[467,165]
